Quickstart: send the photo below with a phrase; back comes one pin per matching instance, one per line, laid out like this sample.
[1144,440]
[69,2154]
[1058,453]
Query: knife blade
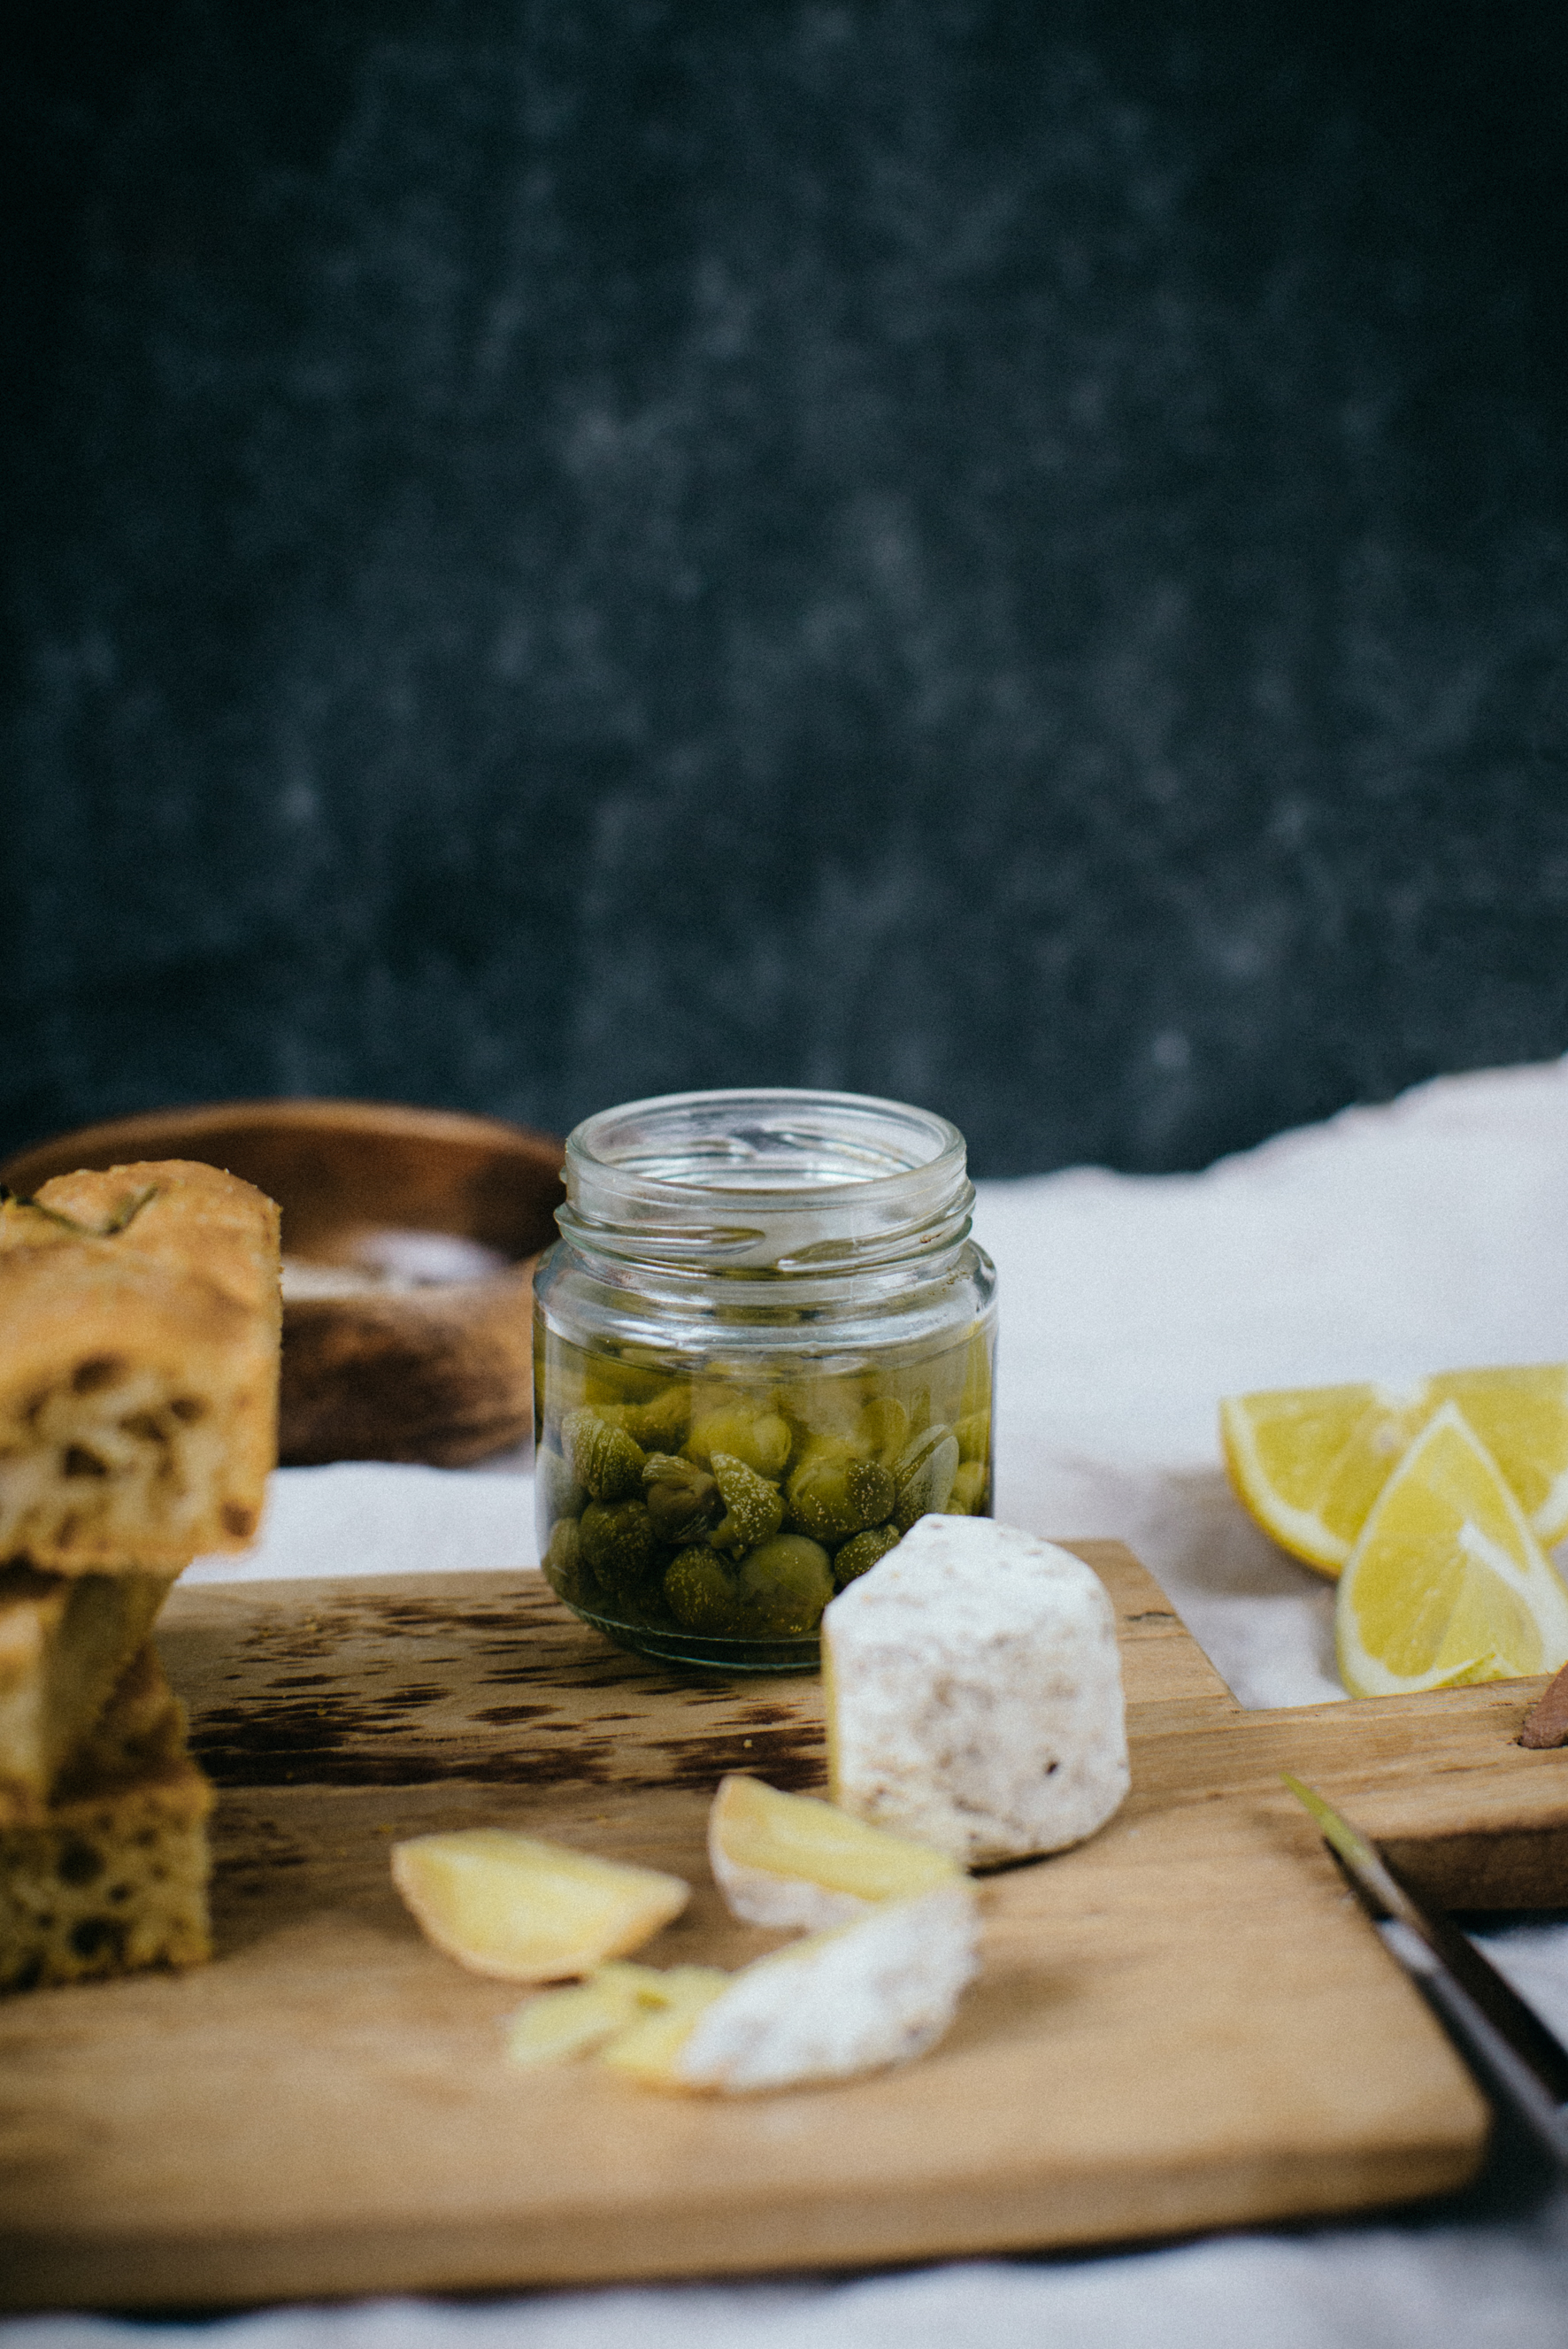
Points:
[1518,2059]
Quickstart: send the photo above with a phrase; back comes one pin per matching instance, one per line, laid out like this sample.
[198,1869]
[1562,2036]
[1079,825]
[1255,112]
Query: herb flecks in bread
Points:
[139,1379]
[114,1877]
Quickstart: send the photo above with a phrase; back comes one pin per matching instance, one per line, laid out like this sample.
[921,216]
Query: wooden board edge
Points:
[1098,2208]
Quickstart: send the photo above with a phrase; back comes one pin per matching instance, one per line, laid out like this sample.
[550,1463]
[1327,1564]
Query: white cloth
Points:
[1424,1235]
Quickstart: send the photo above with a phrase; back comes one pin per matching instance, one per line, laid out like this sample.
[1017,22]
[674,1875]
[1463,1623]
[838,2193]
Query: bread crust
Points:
[141,1313]
[66,1642]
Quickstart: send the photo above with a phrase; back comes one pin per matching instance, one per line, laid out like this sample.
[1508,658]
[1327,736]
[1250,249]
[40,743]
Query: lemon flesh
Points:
[1308,1462]
[1447,1584]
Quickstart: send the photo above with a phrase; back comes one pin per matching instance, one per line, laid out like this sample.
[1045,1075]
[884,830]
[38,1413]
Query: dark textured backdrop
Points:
[1013,555]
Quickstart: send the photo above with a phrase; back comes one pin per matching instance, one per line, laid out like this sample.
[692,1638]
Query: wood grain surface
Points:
[1185,2023]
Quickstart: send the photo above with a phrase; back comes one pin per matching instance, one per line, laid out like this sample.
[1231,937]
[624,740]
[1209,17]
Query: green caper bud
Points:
[754,1509]
[561,1494]
[925,1476]
[683,1499]
[607,1381]
[884,1429]
[660,1424]
[759,1438]
[562,1556]
[618,1541]
[700,1592]
[974,1435]
[832,1493]
[603,1459]
[861,1551]
[784,1586]
[968,1492]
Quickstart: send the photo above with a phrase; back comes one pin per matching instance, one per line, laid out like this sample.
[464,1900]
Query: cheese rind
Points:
[975,1693]
[877,1992]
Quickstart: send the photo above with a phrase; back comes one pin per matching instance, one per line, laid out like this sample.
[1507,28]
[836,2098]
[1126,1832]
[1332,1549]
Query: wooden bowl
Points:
[409,1236]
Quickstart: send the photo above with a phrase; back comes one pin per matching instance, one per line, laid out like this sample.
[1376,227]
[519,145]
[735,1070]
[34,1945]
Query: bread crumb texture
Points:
[138,1390]
[115,1876]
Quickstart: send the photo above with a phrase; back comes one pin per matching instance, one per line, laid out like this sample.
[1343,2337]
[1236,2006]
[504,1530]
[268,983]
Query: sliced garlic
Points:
[511,1906]
[561,2024]
[647,2047]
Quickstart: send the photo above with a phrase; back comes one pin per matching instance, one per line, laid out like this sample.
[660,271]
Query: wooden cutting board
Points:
[1186,2024]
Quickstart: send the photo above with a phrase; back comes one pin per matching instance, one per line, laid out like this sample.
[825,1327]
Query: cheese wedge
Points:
[558,2024]
[790,1859]
[879,1992]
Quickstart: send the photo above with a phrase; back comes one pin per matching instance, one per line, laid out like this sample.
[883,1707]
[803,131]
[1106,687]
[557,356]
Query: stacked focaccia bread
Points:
[138,1422]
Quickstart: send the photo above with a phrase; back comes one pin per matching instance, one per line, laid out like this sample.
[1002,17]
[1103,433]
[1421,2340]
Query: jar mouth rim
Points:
[765,1145]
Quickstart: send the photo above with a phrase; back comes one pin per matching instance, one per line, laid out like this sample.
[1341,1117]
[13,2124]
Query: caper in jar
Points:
[969,1485]
[833,1493]
[659,1425]
[717,1505]
[683,1499]
[754,1509]
[760,1439]
[862,1552]
[618,1541]
[784,1586]
[700,1591]
[923,1476]
[603,1459]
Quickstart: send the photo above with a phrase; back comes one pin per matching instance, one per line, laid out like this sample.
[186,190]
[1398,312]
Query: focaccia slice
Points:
[141,1310]
[65,1642]
[115,1876]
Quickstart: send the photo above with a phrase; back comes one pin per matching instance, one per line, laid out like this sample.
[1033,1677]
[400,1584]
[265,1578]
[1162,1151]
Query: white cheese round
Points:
[973,1692]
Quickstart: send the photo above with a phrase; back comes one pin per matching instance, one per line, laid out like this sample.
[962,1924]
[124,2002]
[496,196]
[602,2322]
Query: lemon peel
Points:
[1309,1462]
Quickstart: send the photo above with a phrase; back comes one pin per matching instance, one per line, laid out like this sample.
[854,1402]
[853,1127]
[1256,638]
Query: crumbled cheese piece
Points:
[790,1859]
[974,1693]
[875,1992]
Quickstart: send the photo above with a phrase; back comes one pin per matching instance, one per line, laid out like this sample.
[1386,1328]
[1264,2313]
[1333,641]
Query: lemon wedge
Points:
[1308,1462]
[1447,1583]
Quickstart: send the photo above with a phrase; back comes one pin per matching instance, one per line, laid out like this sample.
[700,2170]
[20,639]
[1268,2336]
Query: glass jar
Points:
[763,1348]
